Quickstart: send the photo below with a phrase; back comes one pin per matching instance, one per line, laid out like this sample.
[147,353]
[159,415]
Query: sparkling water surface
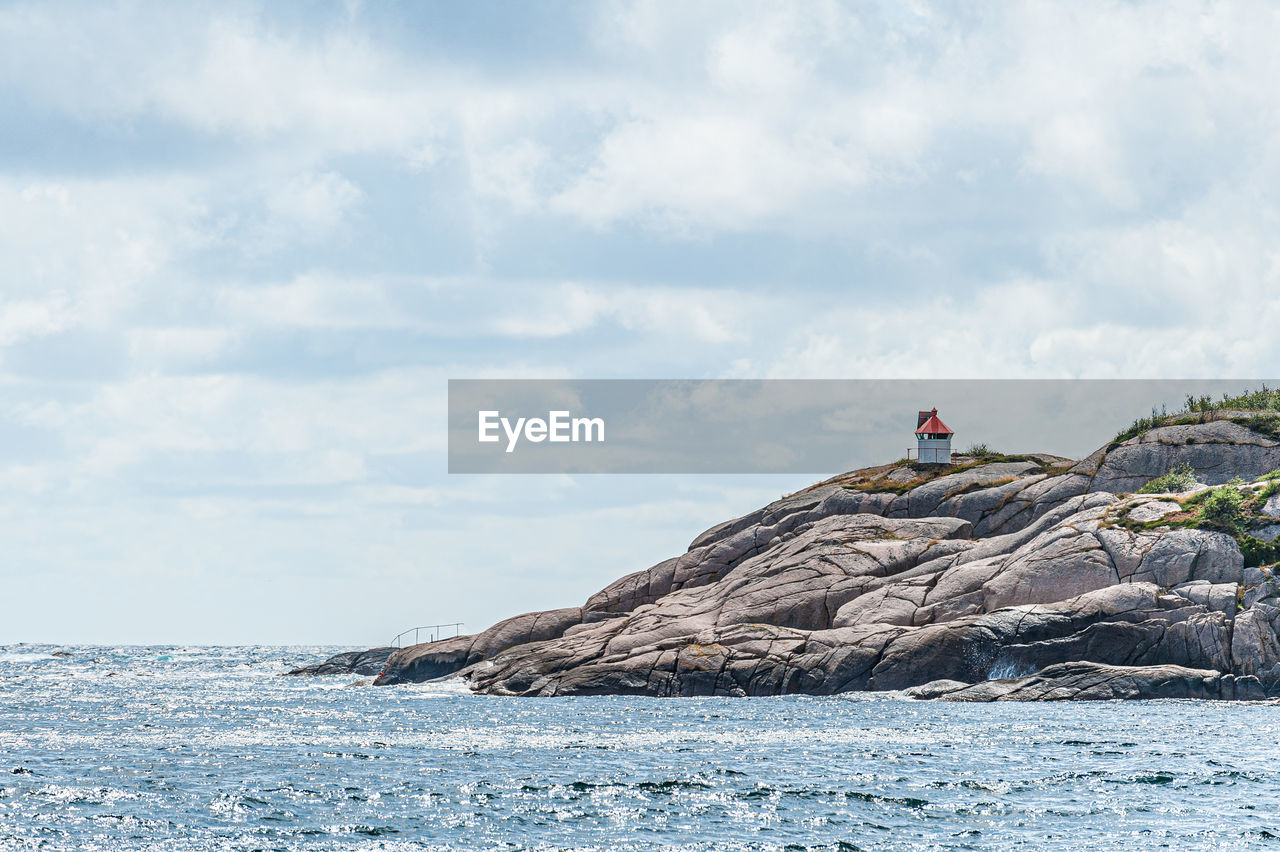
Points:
[207,748]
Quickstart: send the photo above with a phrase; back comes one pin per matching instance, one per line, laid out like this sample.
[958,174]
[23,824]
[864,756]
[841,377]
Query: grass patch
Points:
[981,452]
[930,472]
[1263,399]
[1176,520]
[1264,424]
[993,458]
[979,486]
[882,486]
[1138,427]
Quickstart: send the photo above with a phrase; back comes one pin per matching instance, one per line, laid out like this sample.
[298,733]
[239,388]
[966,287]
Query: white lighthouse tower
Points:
[933,439]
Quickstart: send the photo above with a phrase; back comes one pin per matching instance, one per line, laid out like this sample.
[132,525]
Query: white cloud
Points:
[225,71]
[510,173]
[770,54]
[726,118]
[79,250]
[708,316]
[313,203]
[698,172]
[178,348]
[1077,148]
[313,300]
[27,318]
[1081,190]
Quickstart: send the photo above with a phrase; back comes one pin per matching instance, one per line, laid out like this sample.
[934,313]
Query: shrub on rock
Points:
[1223,509]
[1181,478]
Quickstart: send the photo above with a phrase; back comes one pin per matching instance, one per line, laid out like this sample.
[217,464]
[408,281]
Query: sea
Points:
[209,748]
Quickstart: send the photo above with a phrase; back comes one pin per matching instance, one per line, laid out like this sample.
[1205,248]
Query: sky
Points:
[244,246]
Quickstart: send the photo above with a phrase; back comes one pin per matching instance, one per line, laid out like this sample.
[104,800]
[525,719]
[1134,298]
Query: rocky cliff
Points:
[998,578]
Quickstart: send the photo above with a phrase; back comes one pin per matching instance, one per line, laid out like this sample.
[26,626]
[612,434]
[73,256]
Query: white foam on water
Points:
[64,794]
[450,688]
[24,657]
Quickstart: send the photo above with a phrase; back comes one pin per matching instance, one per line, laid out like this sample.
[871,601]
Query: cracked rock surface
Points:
[1036,579]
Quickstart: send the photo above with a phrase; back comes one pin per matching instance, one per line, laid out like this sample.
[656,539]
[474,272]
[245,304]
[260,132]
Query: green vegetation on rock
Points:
[1139,427]
[1264,424]
[1222,509]
[1258,552]
[1263,399]
[1229,509]
[929,472]
[1181,478]
[1199,409]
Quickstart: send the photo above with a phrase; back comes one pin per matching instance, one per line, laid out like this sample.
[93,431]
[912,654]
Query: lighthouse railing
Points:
[433,631]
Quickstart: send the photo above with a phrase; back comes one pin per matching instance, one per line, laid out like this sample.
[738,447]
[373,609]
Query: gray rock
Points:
[1267,533]
[1182,555]
[926,500]
[1060,567]
[1214,597]
[1153,510]
[1254,643]
[1272,507]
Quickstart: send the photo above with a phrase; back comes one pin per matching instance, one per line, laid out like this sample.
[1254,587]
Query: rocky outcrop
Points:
[370,662]
[1030,578]
[1217,451]
[1083,681]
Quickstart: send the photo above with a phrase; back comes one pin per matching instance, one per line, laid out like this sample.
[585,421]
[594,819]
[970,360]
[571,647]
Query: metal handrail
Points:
[395,643]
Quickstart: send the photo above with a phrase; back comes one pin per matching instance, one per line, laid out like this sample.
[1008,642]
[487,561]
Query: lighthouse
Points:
[933,439]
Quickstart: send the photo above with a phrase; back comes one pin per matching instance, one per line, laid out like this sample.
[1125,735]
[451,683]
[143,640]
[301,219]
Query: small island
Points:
[1147,570]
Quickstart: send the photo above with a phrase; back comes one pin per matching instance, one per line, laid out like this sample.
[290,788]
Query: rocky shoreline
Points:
[997,578]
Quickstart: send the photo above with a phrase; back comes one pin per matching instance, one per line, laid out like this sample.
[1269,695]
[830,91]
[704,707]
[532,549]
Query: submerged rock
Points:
[1033,579]
[935,689]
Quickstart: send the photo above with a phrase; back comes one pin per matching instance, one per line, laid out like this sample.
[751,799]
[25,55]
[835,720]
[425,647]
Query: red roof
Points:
[934,426]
